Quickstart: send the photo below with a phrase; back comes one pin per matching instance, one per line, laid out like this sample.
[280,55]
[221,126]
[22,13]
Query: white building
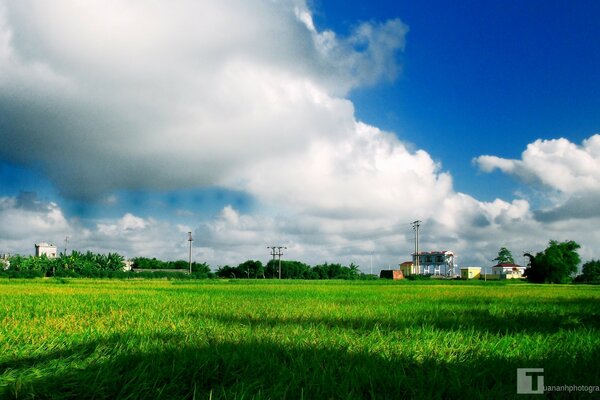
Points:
[4,261]
[435,263]
[510,271]
[127,265]
[45,249]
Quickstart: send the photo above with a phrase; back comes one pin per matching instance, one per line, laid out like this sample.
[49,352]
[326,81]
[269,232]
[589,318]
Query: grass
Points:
[105,339]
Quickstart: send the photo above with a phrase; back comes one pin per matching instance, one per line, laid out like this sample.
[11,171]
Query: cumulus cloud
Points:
[364,174]
[132,236]
[569,174]
[558,164]
[376,59]
[473,230]
[130,95]
[26,219]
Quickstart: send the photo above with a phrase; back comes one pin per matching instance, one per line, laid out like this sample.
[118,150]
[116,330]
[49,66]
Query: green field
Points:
[312,340]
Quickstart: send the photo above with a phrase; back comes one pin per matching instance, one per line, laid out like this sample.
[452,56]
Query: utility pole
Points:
[273,253]
[416,225]
[190,252]
[279,254]
[276,252]
[66,241]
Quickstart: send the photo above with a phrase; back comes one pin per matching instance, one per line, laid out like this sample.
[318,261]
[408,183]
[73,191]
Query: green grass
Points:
[63,338]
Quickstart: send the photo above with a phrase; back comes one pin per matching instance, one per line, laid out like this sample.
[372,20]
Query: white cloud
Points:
[364,174]
[375,61]
[557,164]
[31,220]
[130,95]
[568,175]
[128,223]
[26,220]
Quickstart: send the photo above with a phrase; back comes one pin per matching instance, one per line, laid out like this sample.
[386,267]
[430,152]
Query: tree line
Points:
[253,269]
[111,265]
[95,265]
[155,264]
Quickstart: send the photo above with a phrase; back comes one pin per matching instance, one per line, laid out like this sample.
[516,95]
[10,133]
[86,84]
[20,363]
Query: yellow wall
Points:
[407,269]
[470,273]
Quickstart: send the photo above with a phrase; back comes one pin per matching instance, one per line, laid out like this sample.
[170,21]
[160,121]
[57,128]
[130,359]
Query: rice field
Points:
[118,339]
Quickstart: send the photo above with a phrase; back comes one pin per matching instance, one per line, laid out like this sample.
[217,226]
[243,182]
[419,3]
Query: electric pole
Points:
[190,252]
[66,241]
[273,253]
[416,225]
[276,252]
[280,253]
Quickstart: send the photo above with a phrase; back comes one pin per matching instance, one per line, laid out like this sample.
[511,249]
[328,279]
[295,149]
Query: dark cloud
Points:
[29,201]
[577,207]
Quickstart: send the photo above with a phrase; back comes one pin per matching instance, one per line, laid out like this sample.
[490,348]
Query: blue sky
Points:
[484,77]
[251,123]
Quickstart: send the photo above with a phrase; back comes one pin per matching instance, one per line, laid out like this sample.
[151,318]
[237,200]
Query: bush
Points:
[28,274]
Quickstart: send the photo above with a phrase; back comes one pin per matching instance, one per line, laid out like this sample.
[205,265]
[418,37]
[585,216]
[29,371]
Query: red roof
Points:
[508,265]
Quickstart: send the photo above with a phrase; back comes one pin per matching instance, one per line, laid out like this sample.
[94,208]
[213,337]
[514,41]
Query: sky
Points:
[323,126]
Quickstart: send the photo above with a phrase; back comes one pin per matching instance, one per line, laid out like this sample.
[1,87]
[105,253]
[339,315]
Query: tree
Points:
[555,264]
[320,271]
[591,271]
[201,268]
[504,256]
[114,262]
[294,270]
[178,264]
[226,271]
[290,269]
[250,269]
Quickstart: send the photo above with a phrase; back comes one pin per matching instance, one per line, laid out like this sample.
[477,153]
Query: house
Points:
[393,274]
[408,268]
[4,261]
[45,249]
[508,270]
[127,265]
[434,263]
[470,272]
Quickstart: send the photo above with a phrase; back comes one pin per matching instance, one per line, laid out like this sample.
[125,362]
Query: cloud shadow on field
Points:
[255,369]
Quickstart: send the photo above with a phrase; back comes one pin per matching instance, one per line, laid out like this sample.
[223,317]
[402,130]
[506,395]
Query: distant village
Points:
[433,264]
[440,264]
